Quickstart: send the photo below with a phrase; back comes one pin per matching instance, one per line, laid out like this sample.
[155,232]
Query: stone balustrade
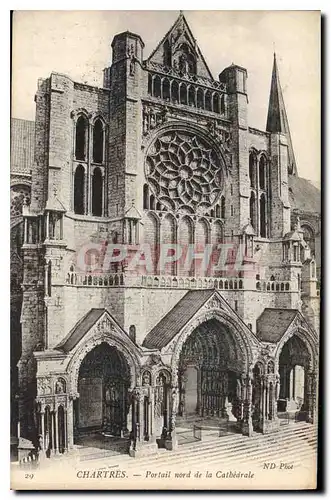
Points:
[190,283]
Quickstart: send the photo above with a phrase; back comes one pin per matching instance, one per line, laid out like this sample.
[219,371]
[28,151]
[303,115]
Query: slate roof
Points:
[176,319]
[80,329]
[304,196]
[21,146]
[273,323]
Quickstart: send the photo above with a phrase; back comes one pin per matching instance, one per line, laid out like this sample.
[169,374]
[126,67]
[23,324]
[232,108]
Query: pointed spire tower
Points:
[277,118]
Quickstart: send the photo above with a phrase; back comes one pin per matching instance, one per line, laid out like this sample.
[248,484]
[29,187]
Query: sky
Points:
[77,43]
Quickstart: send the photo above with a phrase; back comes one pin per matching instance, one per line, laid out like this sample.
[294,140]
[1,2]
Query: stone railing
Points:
[188,283]
[192,283]
[273,286]
[105,280]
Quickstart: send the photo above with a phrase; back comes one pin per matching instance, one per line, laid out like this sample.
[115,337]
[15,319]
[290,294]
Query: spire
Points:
[277,119]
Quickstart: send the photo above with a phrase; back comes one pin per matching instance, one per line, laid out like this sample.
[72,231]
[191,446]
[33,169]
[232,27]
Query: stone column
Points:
[25,230]
[54,435]
[262,401]
[47,226]
[171,441]
[277,389]
[65,420]
[139,447]
[141,403]
[312,396]
[242,397]
[198,410]
[151,414]
[269,419]
[56,443]
[42,440]
[247,425]
[129,414]
[70,425]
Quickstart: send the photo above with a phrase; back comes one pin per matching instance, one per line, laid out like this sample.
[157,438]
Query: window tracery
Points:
[89,148]
[19,196]
[184,172]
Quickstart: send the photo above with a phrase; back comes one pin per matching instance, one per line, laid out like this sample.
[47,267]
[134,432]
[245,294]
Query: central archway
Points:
[103,386]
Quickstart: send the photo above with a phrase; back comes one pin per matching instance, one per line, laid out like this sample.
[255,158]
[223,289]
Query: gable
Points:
[100,318]
[178,50]
[179,316]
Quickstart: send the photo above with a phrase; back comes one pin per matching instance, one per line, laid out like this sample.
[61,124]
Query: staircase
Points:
[294,443]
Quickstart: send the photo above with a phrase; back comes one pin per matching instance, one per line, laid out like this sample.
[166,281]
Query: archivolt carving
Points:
[19,195]
[152,367]
[184,171]
[308,337]
[98,335]
[239,334]
[44,386]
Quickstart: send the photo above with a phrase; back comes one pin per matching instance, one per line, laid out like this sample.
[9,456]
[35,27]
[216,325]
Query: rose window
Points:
[18,196]
[184,172]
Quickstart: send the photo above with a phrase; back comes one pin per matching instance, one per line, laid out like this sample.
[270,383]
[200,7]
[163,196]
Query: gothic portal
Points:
[160,162]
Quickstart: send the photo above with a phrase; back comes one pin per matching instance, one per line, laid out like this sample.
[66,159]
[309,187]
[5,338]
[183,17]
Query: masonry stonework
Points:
[162,155]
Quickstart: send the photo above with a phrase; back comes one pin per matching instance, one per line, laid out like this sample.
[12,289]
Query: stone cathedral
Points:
[118,193]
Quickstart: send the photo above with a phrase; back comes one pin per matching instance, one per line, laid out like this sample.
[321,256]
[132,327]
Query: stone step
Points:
[236,457]
[237,449]
[236,444]
[228,440]
[231,449]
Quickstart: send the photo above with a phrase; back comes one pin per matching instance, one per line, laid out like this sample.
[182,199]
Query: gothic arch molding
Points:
[92,342]
[308,338]
[174,125]
[237,331]
[75,114]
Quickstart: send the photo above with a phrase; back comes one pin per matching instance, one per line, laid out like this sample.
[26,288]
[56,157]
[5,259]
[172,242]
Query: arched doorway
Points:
[103,385]
[211,376]
[294,363]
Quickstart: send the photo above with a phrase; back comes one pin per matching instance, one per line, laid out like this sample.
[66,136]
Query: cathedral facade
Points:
[169,262]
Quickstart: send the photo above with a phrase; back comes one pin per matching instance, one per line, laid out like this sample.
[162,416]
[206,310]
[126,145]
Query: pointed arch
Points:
[174,91]
[183,93]
[191,96]
[252,169]
[81,138]
[208,100]
[166,89]
[98,141]
[216,103]
[200,99]
[157,86]
[262,172]
[242,339]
